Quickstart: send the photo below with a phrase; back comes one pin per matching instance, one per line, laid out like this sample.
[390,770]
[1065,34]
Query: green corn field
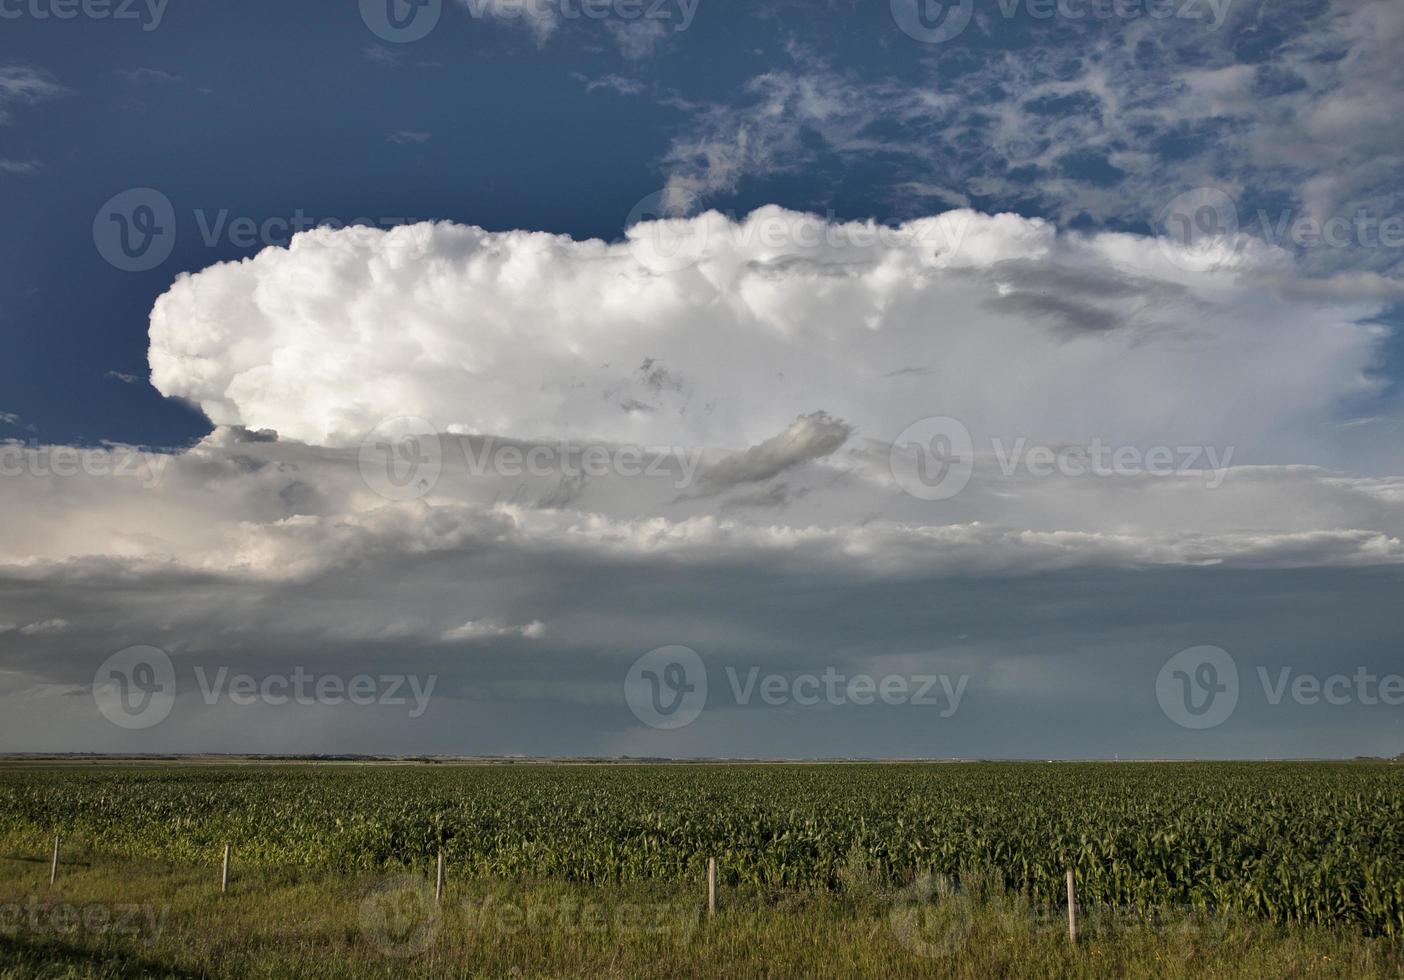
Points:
[1318,843]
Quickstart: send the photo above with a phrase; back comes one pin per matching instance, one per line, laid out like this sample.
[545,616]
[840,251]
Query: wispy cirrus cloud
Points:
[1296,122]
[20,167]
[24,86]
[144,75]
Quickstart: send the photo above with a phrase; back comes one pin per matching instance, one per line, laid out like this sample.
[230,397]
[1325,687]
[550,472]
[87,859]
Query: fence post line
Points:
[224,873]
[439,880]
[711,886]
[1072,909]
[53,869]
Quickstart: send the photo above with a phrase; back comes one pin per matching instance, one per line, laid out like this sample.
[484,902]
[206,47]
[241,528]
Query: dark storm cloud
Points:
[1057,665]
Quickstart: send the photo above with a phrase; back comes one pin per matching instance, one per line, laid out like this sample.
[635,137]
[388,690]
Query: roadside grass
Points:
[109,918]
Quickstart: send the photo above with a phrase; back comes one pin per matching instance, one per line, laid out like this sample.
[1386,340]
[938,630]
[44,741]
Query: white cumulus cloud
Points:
[708,331]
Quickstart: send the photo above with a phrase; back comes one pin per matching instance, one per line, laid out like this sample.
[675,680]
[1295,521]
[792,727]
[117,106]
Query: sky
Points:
[679,378]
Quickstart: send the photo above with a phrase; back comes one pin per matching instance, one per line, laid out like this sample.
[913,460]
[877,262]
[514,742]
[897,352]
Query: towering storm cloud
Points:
[708,331]
[1036,464]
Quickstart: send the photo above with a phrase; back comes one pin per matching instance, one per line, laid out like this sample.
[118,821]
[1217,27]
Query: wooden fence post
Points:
[1072,909]
[711,887]
[53,869]
[224,874]
[439,881]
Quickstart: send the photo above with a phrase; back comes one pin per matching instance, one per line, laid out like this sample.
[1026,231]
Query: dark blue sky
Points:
[265,110]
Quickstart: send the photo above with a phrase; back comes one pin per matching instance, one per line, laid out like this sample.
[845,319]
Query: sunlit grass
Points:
[287,924]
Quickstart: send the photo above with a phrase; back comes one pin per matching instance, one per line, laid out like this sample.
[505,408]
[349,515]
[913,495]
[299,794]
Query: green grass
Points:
[314,926]
[1296,843]
[1184,870]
